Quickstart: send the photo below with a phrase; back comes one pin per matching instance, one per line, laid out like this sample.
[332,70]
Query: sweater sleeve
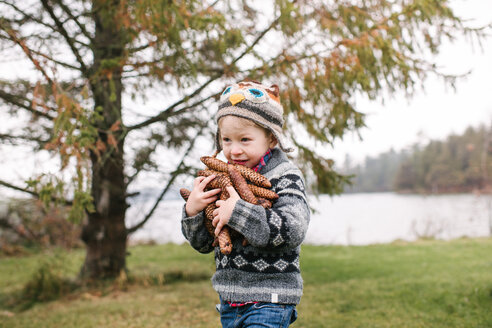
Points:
[284,225]
[195,232]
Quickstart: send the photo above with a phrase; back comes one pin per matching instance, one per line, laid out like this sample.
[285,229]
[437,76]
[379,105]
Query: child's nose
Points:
[236,149]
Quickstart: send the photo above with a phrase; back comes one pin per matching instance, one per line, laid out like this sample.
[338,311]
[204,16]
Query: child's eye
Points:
[226,139]
[255,92]
[245,139]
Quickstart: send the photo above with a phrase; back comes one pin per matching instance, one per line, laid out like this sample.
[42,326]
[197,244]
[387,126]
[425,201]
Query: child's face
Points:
[243,142]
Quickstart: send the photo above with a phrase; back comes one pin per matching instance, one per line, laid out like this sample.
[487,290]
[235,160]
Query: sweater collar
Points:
[278,156]
[263,161]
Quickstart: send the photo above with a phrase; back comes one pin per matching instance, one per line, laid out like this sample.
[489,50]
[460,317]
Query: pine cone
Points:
[253,176]
[265,203]
[249,174]
[225,242]
[185,193]
[241,186]
[214,163]
[263,193]
[232,175]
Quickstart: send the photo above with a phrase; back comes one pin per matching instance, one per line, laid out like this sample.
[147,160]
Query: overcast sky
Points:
[439,111]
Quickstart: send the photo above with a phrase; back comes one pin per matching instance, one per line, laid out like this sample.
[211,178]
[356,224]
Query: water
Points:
[357,219]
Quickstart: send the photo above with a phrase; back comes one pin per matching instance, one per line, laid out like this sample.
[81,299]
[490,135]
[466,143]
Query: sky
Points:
[437,112]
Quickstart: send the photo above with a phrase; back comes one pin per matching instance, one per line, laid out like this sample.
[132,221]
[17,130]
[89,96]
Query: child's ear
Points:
[273,141]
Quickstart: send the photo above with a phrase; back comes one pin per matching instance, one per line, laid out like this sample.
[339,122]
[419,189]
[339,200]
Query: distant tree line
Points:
[460,163]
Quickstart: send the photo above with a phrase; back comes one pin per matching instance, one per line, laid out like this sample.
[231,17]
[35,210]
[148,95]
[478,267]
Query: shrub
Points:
[25,223]
[48,282]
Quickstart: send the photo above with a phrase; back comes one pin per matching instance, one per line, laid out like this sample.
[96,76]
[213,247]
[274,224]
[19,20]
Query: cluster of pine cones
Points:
[226,175]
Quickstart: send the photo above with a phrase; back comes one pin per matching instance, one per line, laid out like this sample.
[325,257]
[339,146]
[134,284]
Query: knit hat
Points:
[255,102]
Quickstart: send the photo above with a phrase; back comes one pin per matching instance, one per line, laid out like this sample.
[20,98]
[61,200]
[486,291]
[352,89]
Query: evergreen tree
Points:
[461,163]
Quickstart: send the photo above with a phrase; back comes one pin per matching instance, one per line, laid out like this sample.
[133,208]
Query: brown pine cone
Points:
[241,186]
[214,163]
[223,181]
[214,184]
[252,176]
[224,238]
[185,193]
[265,203]
[263,193]
[209,211]
[225,242]
[209,216]
[232,175]
[208,172]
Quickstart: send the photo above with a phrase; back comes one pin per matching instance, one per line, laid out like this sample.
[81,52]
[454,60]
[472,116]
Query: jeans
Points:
[266,315]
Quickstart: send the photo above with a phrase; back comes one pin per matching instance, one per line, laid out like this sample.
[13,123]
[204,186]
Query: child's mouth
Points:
[240,162]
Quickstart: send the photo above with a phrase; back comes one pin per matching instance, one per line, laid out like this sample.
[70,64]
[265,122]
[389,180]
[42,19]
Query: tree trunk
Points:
[104,233]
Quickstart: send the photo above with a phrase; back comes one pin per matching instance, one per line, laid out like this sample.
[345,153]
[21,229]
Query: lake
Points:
[356,219]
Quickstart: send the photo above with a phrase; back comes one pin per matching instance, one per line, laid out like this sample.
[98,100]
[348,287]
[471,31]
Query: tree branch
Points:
[67,65]
[64,33]
[169,111]
[11,186]
[163,115]
[24,138]
[12,35]
[140,48]
[14,100]
[147,157]
[35,194]
[27,16]
[174,175]
[73,18]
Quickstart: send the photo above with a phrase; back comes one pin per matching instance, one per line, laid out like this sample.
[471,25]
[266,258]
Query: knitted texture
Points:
[267,269]
[256,102]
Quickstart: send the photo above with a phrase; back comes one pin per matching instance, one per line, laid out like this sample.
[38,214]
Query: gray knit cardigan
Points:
[267,269]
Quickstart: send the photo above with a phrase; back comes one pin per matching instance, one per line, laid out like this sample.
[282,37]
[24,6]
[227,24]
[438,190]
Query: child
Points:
[259,283]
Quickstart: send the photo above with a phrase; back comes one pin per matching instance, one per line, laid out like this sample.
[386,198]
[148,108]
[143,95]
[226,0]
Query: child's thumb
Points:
[232,191]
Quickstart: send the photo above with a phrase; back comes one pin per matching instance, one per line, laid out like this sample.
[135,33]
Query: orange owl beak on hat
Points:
[236,98]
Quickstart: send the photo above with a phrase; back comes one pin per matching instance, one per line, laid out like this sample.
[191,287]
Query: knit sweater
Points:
[267,269]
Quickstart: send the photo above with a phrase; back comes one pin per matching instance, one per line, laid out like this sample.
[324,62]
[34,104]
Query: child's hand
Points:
[199,198]
[224,210]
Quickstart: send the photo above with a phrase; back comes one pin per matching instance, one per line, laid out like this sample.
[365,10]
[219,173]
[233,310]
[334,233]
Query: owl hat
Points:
[253,101]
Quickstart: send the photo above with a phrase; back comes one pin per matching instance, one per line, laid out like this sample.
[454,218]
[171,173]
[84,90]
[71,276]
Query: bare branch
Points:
[12,35]
[29,17]
[35,194]
[17,101]
[64,33]
[23,138]
[73,18]
[174,175]
[56,61]
[140,48]
[169,111]
[11,186]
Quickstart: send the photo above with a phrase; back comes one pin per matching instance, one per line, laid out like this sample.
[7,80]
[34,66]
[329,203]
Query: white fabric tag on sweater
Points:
[274,298]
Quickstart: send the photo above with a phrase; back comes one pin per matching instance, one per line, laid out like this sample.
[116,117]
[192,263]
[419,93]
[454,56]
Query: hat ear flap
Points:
[218,145]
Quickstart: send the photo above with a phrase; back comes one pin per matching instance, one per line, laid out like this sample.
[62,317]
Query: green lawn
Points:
[422,284]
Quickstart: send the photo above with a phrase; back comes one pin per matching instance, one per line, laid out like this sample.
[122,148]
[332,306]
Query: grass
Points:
[422,284]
